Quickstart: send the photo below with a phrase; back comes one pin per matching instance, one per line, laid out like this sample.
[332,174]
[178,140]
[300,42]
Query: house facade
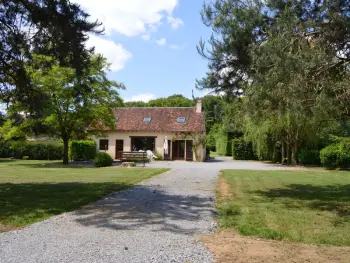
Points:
[150,128]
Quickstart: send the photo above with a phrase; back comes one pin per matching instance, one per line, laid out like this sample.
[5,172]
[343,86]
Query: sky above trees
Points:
[151,44]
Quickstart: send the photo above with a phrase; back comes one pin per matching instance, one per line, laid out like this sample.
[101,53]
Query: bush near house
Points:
[242,150]
[103,160]
[84,150]
[308,157]
[336,156]
[32,150]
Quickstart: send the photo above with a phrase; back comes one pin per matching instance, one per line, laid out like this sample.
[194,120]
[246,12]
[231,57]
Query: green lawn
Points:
[302,206]
[31,191]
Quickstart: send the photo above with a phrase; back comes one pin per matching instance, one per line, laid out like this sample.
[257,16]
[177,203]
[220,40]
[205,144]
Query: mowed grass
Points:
[301,206]
[31,191]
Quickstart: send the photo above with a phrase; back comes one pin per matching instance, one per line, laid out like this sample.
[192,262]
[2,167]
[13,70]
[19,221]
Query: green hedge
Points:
[241,150]
[336,156]
[103,160]
[307,157]
[34,150]
[82,150]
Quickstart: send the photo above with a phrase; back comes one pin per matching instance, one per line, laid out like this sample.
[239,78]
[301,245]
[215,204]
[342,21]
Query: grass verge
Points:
[301,206]
[31,191]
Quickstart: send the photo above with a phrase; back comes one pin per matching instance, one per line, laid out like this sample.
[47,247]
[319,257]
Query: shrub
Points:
[305,157]
[242,150]
[25,157]
[103,160]
[336,156]
[35,150]
[158,156]
[82,150]
[343,160]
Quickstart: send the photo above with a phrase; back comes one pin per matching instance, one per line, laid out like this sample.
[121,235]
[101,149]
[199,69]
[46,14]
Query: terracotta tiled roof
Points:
[163,119]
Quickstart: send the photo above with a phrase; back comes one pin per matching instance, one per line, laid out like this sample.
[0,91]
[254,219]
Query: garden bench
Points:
[134,157]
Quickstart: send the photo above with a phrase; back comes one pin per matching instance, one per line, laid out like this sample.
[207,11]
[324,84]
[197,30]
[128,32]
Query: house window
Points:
[147,119]
[181,120]
[103,145]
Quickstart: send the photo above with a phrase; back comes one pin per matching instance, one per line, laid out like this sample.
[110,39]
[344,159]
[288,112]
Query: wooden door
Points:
[178,150]
[119,148]
[189,150]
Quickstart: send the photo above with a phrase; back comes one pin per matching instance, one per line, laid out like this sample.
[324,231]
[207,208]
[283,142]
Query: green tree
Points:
[176,100]
[289,59]
[55,28]
[213,111]
[69,109]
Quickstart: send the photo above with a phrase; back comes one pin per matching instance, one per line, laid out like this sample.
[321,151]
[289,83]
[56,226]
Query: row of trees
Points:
[284,69]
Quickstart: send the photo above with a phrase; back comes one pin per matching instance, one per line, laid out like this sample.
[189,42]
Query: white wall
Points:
[159,142]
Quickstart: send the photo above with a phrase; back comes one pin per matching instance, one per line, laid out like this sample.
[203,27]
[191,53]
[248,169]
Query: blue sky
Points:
[151,44]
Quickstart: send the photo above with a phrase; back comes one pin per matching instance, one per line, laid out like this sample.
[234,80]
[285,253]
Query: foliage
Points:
[269,53]
[36,190]
[213,111]
[224,138]
[211,137]
[55,28]
[159,157]
[25,158]
[276,205]
[136,104]
[32,150]
[307,157]
[176,100]
[83,150]
[103,160]
[242,150]
[69,110]
[5,148]
[336,156]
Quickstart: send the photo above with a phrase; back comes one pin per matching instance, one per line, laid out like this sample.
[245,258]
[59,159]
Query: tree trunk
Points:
[283,152]
[65,149]
[294,155]
[288,155]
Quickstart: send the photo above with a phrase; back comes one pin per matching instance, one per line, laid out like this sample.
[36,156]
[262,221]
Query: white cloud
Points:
[146,37]
[116,54]
[146,97]
[161,42]
[175,23]
[131,17]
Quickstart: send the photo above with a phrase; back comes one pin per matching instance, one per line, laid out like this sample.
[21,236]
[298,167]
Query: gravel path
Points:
[158,220]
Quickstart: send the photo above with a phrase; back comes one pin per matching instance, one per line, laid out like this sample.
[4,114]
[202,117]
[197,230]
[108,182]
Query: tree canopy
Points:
[289,60]
[54,28]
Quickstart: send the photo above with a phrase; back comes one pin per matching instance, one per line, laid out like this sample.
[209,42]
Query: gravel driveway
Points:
[158,220]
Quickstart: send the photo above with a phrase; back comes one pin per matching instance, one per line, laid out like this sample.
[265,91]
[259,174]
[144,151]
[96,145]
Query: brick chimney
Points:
[198,105]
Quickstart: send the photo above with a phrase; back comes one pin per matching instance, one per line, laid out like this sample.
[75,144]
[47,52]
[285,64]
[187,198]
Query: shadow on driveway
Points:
[147,207]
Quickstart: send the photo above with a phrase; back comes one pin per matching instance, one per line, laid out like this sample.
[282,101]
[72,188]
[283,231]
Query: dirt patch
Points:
[6,228]
[224,188]
[229,246]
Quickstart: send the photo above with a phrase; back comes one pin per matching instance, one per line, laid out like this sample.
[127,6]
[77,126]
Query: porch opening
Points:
[143,143]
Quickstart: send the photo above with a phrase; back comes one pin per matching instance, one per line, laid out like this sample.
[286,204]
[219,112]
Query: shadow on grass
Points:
[6,161]
[147,207]
[51,165]
[333,198]
[25,203]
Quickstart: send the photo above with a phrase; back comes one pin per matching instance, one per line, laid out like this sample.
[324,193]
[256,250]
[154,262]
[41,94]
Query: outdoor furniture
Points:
[134,157]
